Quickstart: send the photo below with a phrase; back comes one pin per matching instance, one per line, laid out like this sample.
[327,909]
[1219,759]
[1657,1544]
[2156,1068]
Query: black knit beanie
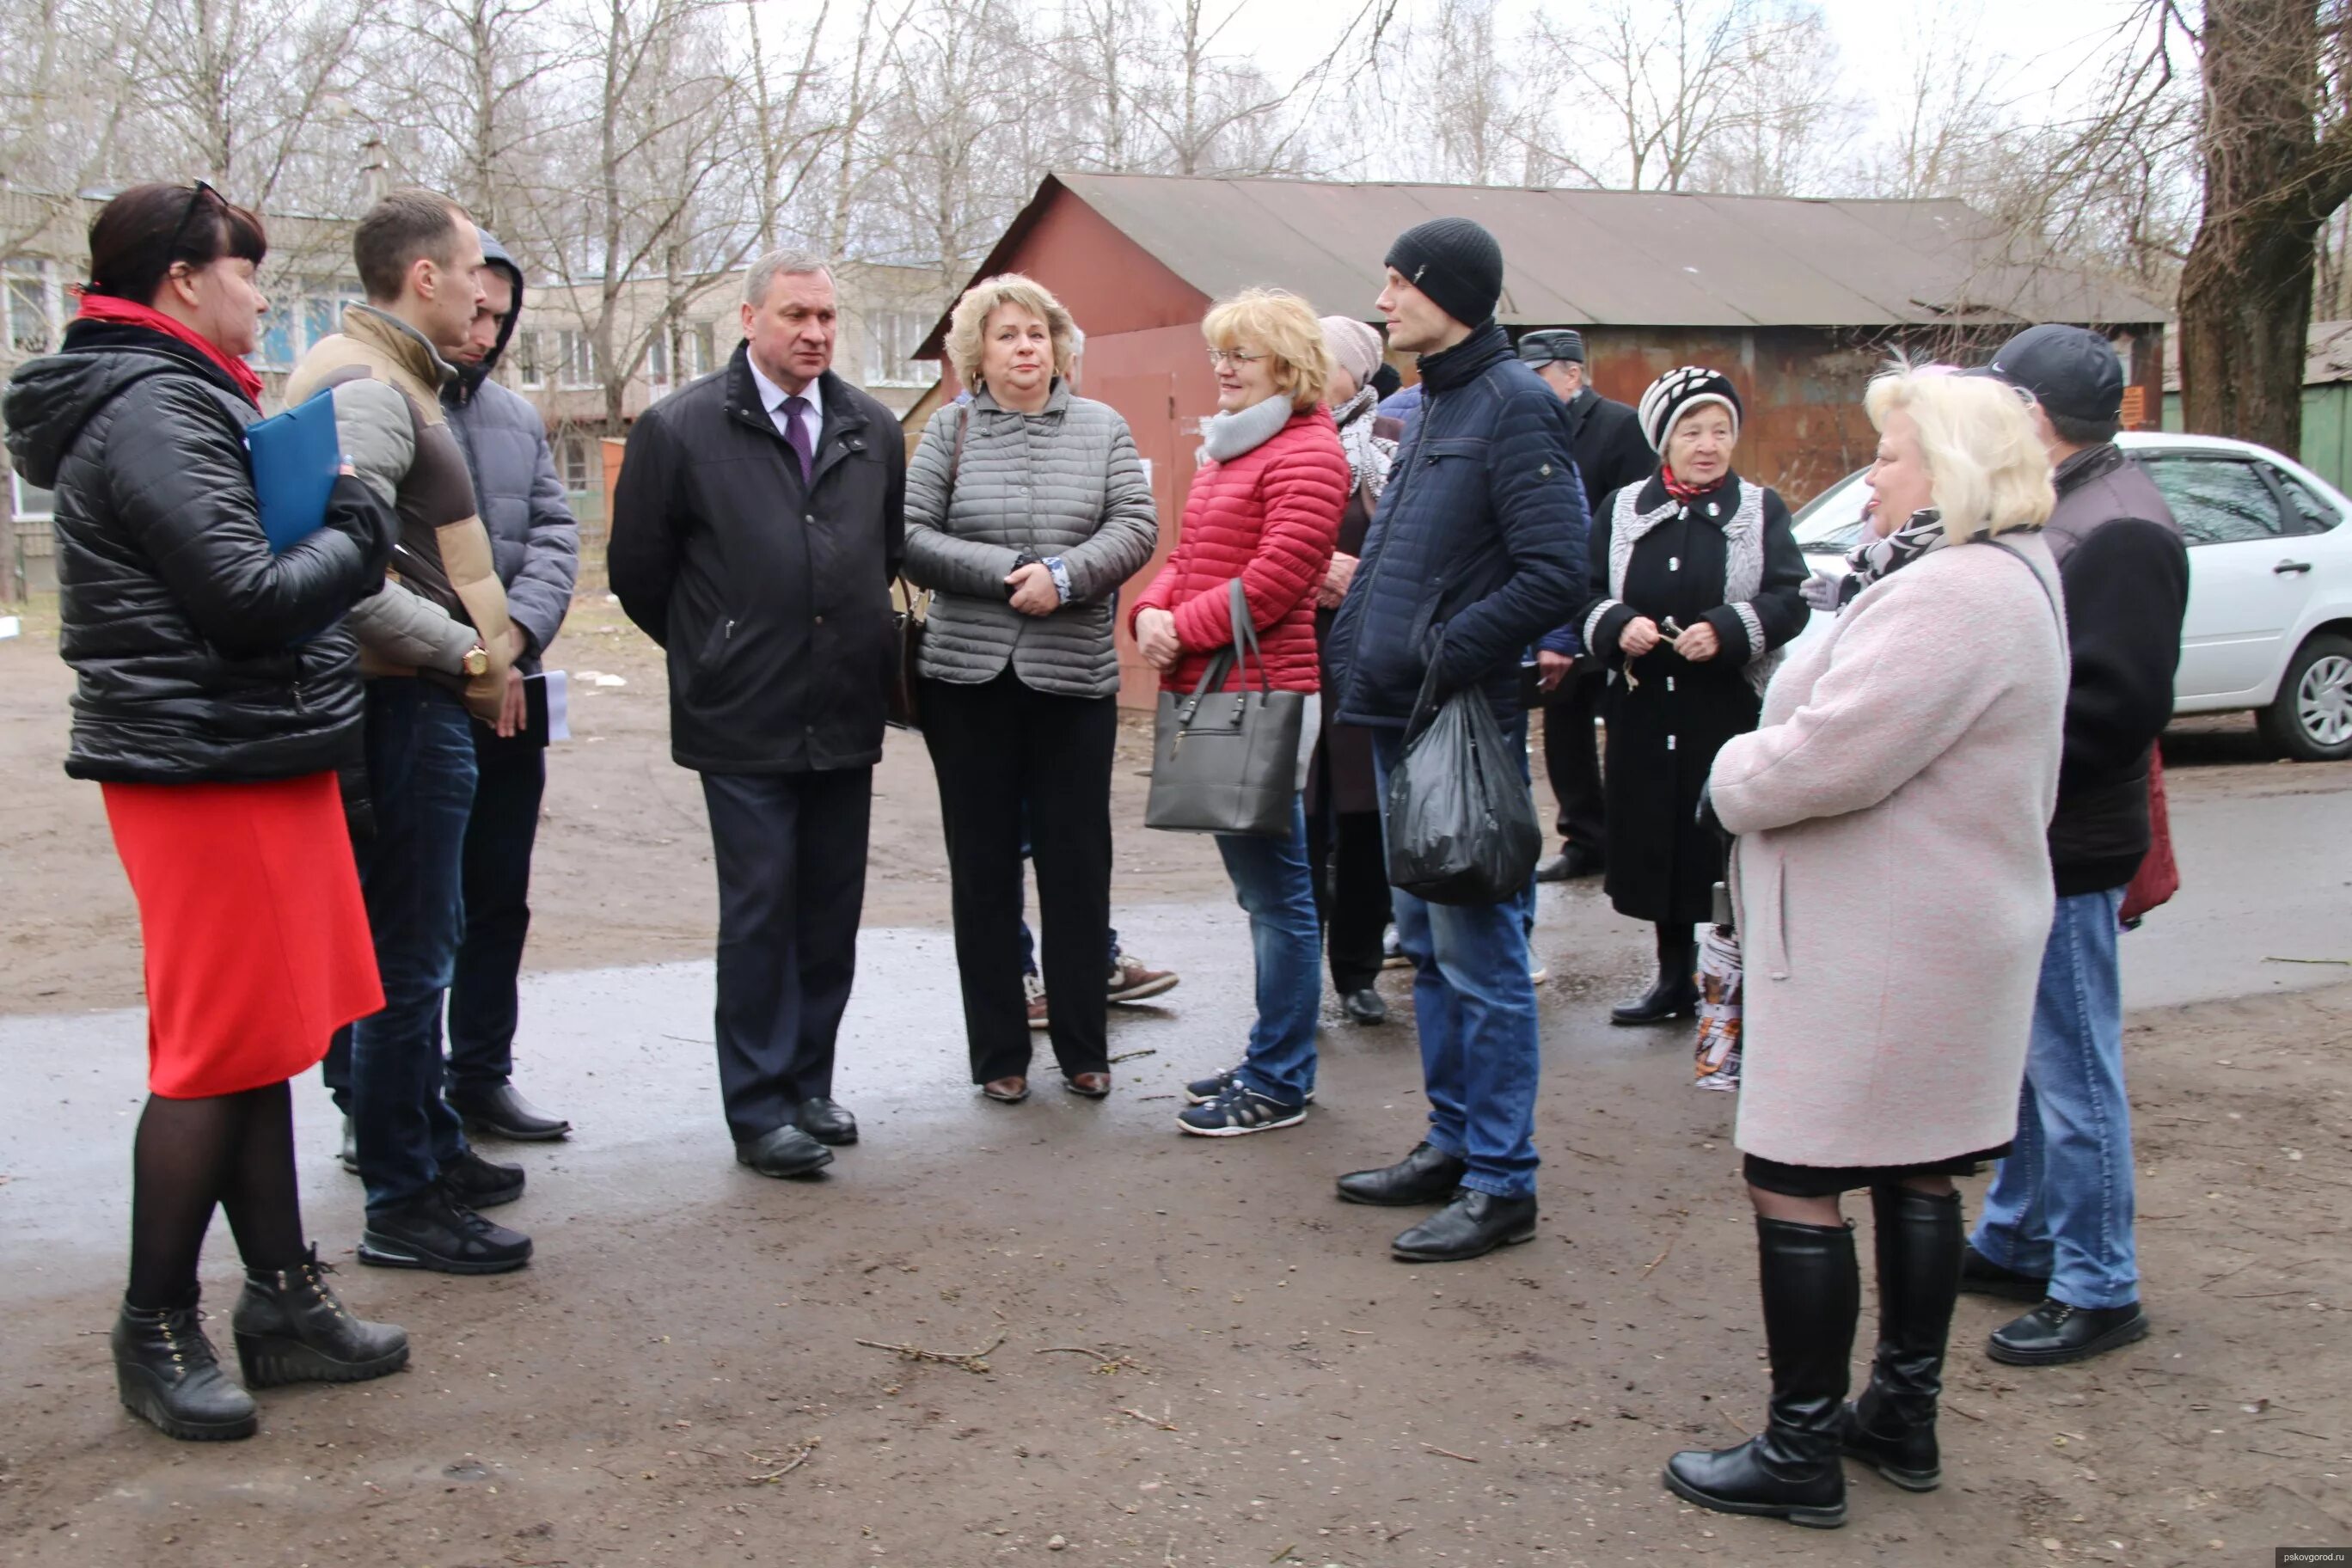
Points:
[1456,263]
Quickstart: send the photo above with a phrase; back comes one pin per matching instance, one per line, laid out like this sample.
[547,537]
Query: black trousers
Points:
[1004,753]
[1352,891]
[499,836]
[790,854]
[1572,759]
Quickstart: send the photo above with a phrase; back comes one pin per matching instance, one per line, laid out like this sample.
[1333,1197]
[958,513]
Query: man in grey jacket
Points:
[536,543]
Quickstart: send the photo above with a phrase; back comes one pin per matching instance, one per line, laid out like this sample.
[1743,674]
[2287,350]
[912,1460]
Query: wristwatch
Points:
[476,660]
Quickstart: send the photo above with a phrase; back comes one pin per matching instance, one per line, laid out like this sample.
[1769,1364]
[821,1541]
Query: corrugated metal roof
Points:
[1612,257]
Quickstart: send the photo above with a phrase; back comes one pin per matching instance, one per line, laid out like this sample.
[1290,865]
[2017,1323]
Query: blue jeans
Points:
[1476,1012]
[1272,882]
[2060,1204]
[420,762]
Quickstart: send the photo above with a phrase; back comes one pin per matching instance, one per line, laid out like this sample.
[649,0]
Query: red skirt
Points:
[258,945]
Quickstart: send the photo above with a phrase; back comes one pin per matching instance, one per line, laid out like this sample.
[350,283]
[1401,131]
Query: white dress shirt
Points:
[771,397]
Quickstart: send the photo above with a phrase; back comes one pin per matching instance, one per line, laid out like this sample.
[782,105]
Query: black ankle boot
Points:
[291,1328]
[1811,1294]
[1674,994]
[167,1374]
[1892,1428]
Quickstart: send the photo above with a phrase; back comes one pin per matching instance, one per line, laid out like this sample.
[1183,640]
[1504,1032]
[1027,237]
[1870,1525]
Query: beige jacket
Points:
[1891,881]
[442,593]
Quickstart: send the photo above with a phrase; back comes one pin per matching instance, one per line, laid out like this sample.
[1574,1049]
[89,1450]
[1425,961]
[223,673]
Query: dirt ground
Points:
[1188,1353]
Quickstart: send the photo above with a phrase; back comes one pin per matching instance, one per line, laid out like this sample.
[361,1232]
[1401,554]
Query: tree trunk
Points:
[2270,181]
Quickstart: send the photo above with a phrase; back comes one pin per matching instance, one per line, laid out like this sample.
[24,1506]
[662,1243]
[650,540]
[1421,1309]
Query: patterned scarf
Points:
[1875,558]
[1369,455]
[1679,490]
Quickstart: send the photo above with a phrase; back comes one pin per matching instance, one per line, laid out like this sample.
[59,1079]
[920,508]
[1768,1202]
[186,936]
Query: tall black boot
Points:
[1892,1428]
[292,1328]
[1676,993]
[165,1370]
[1812,1293]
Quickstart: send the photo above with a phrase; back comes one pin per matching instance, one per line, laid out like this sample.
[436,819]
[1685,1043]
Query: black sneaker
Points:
[1202,1090]
[1238,1111]
[479,1184]
[436,1233]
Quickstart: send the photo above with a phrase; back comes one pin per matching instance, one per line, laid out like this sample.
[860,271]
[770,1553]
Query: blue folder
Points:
[296,456]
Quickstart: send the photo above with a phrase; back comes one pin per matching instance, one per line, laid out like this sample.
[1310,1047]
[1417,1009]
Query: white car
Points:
[2270,583]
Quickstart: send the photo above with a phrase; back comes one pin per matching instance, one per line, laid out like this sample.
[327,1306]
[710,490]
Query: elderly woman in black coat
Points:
[1698,580]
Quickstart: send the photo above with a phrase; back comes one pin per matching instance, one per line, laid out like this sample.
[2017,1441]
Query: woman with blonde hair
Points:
[1893,888]
[1265,508]
[1026,508]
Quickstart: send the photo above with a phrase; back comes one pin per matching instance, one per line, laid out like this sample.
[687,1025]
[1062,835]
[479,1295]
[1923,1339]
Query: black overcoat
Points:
[1668,716]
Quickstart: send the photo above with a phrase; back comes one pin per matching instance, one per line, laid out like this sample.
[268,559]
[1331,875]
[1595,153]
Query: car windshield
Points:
[1831,523]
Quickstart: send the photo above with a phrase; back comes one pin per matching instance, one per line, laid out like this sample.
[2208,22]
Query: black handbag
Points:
[1227,762]
[911,606]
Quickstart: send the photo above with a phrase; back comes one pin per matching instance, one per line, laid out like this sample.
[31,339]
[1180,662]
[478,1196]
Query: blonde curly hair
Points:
[1987,468]
[1277,322]
[969,323]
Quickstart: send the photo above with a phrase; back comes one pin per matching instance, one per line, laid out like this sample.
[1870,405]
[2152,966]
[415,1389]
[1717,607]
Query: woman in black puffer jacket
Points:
[217,697]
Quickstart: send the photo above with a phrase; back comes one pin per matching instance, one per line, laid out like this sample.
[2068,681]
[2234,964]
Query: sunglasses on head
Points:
[188,216]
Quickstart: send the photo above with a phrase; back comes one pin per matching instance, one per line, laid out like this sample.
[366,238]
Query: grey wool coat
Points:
[1893,873]
[1065,483]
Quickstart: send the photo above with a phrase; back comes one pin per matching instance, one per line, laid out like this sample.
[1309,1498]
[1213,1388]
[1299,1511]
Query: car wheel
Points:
[2310,717]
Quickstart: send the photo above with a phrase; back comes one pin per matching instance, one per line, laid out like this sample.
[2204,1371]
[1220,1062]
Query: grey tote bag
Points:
[1227,762]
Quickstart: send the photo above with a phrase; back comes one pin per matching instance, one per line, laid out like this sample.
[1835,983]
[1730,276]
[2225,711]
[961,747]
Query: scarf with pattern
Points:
[1876,558]
[1369,455]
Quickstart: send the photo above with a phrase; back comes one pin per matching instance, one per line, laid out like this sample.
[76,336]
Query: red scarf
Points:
[128,313]
[1679,490]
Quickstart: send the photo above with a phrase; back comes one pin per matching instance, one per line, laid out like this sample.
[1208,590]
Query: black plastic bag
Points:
[1460,816]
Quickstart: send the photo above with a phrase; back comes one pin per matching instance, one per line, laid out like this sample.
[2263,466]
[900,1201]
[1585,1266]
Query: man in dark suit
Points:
[758,521]
[1610,451]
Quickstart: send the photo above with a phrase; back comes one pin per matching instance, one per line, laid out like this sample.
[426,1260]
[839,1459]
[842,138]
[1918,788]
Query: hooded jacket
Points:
[200,656]
[534,539]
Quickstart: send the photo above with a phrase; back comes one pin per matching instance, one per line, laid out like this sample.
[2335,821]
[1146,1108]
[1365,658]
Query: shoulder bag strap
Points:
[2039,581]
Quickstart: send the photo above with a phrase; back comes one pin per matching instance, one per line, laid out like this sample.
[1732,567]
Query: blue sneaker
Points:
[1238,1111]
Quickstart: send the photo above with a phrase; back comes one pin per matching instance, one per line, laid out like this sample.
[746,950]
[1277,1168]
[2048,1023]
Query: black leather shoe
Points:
[479,1184]
[1427,1175]
[167,1374]
[1892,1428]
[500,1112]
[1365,1006]
[784,1152]
[292,1328]
[2055,1333]
[1981,1276]
[1471,1226]
[435,1233]
[825,1121]
[1812,1292]
[1673,996]
[350,1152]
[1569,865]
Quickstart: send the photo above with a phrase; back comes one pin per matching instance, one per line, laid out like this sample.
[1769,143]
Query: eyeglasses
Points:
[196,202]
[1220,358]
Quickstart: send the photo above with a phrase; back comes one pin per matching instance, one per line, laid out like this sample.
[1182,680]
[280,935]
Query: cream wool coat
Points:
[1893,873]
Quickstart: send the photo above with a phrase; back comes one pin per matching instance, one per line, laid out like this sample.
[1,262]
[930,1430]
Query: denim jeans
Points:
[2060,1204]
[1273,881]
[500,831]
[420,764]
[1476,1012]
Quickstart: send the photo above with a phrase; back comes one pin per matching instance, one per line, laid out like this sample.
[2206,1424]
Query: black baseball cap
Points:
[2070,371]
[1551,344]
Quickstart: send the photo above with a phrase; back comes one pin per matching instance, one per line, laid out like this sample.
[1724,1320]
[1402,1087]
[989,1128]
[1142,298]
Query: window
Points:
[657,359]
[529,359]
[2216,500]
[579,471]
[32,306]
[27,501]
[891,338]
[575,360]
[2306,513]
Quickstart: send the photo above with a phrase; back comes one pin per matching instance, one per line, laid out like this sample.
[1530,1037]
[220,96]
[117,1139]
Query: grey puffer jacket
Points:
[1065,483]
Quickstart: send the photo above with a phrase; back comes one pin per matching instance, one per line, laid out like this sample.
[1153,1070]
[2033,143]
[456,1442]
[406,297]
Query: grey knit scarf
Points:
[1227,436]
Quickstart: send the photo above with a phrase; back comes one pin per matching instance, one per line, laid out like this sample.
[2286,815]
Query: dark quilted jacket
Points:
[200,654]
[1269,517]
[1480,535]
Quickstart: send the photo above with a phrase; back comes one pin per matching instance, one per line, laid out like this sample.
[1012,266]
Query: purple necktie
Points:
[797,434]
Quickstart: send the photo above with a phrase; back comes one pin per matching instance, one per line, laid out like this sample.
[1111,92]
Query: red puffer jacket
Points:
[1268,516]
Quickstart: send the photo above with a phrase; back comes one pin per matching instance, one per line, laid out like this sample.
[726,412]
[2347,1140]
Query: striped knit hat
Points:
[1678,392]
